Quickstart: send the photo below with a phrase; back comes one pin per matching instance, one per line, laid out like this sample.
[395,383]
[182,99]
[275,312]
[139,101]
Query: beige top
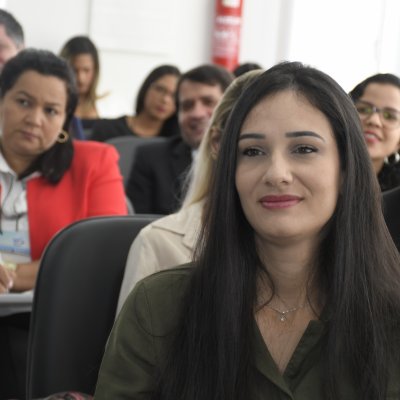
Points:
[163,244]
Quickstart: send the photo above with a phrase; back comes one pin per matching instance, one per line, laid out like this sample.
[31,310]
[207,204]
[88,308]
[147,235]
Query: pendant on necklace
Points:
[282,315]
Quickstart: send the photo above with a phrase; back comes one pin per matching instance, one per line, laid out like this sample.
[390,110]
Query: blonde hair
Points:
[199,176]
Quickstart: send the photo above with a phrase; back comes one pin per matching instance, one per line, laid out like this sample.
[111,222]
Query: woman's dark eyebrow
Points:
[303,133]
[52,104]
[252,136]
[288,134]
[25,93]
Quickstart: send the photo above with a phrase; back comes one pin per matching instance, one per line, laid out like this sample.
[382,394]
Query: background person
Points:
[47,181]
[81,53]
[155,109]
[11,37]
[295,292]
[245,67]
[155,183]
[40,165]
[377,100]
[171,240]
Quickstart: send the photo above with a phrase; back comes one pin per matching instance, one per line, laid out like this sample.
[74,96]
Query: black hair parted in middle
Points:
[55,161]
[170,126]
[156,74]
[357,272]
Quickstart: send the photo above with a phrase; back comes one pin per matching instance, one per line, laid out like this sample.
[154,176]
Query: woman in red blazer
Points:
[47,181]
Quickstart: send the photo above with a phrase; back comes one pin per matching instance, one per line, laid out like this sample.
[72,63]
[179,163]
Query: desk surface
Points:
[14,303]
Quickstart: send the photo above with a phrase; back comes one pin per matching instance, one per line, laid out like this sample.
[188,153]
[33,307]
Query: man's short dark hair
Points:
[13,28]
[209,75]
[245,67]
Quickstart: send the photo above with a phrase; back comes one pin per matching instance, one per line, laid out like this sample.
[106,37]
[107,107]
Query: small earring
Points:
[396,157]
[63,136]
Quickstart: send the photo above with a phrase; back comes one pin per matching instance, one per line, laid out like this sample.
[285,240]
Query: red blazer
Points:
[91,186]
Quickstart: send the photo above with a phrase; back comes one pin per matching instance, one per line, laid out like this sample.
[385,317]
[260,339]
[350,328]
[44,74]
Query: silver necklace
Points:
[282,314]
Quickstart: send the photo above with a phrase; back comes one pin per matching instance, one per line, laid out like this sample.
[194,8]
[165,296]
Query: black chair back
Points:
[126,147]
[74,303]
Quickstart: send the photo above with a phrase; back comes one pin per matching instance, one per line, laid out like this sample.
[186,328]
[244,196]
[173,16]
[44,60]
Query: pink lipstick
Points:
[371,137]
[282,201]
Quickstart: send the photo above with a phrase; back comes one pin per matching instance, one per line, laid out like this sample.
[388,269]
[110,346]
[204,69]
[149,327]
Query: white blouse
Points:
[14,226]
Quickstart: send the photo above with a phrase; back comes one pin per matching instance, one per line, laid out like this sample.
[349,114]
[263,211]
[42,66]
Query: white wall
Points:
[265,28]
[349,39]
[48,24]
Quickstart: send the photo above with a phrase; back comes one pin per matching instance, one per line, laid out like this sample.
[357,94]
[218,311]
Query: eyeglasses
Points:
[390,118]
[162,90]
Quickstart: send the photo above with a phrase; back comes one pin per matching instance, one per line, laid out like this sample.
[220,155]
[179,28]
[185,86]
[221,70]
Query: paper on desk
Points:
[15,303]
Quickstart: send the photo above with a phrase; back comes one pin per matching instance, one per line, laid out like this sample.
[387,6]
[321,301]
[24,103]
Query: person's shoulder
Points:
[153,151]
[109,128]
[389,177]
[177,222]
[109,121]
[157,239]
[167,286]
[157,300]
[91,146]
[392,195]
[160,144]
[85,151]
[166,280]
[163,223]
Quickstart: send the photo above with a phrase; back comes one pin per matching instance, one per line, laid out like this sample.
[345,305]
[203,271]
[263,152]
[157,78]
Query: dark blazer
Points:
[155,183]
[391,211]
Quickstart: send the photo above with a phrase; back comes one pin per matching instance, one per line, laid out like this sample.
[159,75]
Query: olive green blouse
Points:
[142,334]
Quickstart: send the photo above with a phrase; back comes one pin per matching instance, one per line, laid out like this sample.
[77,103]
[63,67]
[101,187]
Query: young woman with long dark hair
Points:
[295,289]
[155,112]
[171,240]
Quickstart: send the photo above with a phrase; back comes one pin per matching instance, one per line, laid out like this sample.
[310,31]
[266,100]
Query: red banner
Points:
[226,37]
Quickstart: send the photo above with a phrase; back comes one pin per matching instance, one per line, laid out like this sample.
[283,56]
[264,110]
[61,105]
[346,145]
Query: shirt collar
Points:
[6,169]
[185,222]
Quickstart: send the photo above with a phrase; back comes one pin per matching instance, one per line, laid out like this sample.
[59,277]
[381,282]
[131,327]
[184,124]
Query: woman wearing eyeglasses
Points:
[155,109]
[377,100]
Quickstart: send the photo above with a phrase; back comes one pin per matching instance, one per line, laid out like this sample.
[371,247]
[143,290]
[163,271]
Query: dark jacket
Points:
[155,183]
[391,211]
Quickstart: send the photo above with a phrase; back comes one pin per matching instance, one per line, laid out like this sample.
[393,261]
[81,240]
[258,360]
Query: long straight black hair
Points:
[358,272]
[170,126]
